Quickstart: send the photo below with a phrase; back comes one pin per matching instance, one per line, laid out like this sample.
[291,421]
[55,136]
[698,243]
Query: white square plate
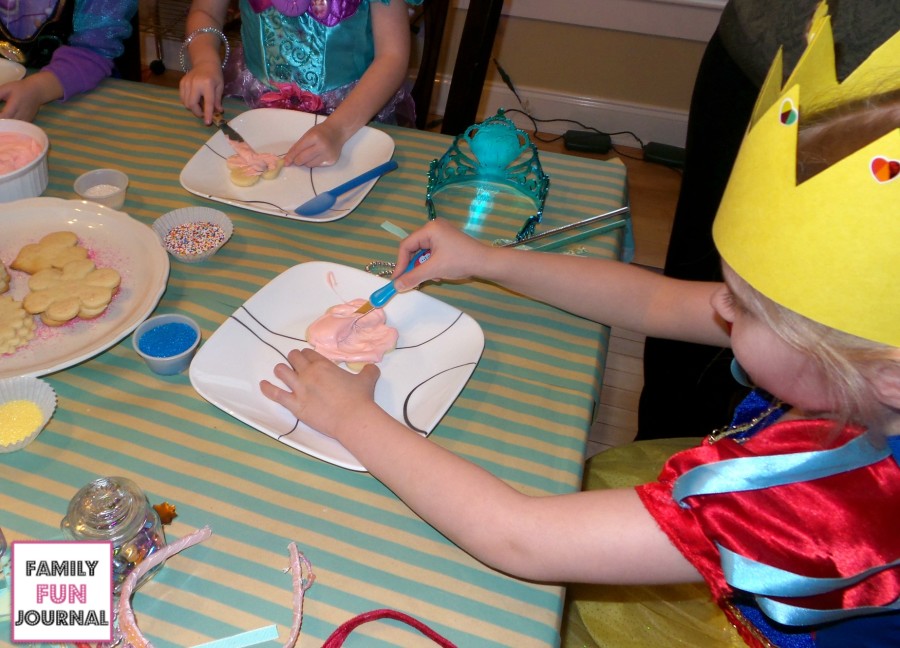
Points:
[437,351]
[274,130]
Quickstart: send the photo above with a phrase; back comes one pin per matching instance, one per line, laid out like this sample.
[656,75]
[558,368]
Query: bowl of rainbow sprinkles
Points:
[193,234]
[26,406]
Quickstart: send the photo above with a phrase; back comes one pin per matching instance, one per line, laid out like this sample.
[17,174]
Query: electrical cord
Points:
[535,121]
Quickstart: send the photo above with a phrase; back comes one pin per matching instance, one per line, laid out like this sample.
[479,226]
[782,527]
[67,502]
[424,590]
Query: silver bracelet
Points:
[203,30]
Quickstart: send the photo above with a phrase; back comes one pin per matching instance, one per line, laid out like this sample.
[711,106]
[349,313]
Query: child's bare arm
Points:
[600,536]
[602,290]
[201,87]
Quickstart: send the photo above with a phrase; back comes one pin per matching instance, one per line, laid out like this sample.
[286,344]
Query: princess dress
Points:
[798,544]
[307,55]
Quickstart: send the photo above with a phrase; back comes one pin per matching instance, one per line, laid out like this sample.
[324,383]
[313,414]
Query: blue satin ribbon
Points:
[754,473]
[764,581]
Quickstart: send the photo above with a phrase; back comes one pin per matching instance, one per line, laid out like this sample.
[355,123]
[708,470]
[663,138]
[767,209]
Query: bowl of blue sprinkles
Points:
[167,343]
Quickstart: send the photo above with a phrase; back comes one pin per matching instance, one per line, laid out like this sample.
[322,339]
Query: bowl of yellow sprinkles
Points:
[26,405]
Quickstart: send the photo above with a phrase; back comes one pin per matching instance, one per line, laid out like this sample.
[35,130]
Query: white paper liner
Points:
[28,389]
[173,219]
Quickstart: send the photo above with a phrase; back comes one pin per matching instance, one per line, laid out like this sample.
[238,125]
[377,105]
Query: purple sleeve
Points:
[98,31]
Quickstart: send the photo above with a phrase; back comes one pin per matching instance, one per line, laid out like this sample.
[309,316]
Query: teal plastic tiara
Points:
[496,152]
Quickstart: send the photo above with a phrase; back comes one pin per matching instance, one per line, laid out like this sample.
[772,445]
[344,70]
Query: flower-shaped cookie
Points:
[4,279]
[78,290]
[53,251]
[16,325]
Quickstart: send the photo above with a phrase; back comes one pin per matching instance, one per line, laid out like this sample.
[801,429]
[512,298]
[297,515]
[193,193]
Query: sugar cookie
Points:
[78,290]
[16,325]
[53,251]
[4,279]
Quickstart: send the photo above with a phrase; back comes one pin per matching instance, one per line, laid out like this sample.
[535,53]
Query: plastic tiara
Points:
[494,151]
[827,248]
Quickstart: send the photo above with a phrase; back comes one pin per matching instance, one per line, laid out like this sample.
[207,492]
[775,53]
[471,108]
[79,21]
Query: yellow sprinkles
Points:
[18,419]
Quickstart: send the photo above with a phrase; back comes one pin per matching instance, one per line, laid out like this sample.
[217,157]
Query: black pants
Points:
[688,388]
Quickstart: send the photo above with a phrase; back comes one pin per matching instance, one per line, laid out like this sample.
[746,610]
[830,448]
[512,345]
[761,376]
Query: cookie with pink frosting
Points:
[343,335]
[247,166]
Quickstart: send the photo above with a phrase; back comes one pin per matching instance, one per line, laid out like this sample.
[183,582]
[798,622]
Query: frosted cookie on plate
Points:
[246,166]
[343,335]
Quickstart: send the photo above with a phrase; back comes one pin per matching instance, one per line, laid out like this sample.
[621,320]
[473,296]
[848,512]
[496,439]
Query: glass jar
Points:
[117,510]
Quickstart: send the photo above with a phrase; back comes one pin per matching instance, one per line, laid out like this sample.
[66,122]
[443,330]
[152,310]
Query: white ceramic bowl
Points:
[194,246]
[10,71]
[33,390]
[31,180]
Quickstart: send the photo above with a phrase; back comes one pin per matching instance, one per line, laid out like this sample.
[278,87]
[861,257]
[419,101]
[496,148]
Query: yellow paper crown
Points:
[829,247]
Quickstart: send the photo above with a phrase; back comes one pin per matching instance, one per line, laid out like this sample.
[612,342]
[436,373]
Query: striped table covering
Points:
[524,415]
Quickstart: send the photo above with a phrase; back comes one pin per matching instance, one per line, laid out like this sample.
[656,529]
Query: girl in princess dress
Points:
[783,528]
[73,43]
[344,58]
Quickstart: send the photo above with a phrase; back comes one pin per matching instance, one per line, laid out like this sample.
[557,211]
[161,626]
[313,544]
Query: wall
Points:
[615,65]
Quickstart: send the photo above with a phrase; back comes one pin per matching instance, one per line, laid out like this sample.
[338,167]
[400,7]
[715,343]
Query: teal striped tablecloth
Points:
[524,415]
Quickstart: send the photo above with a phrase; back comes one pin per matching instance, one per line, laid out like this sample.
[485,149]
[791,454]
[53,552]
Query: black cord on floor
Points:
[535,120]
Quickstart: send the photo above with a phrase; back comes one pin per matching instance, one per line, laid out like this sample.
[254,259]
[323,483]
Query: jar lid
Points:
[109,508]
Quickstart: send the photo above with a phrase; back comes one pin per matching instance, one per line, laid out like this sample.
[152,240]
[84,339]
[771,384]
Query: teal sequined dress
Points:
[308,55]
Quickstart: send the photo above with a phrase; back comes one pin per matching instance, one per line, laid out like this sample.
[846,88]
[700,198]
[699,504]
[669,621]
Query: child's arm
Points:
[321,145]
[202,86]
[610,292]
[599,536]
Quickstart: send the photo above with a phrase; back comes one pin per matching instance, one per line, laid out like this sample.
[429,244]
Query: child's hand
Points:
[319,146]
[321,394]
[454,255]
[201,90]
[24,97]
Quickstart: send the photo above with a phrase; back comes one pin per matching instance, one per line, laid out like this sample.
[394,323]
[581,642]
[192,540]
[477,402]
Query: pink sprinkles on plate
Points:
[194,238]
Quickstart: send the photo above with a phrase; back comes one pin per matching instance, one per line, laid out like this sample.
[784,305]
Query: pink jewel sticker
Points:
[884,169]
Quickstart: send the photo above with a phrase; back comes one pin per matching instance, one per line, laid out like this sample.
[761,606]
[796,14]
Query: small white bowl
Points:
[10,71]
[197,242]
[103,186]
[30,180]
[34,390]
[158,353]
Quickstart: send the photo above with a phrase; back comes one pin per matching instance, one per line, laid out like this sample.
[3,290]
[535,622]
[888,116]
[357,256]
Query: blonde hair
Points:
[852,364]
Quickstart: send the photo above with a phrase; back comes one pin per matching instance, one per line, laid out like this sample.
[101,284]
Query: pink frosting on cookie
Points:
[17,150]
[342,335]
[249,161]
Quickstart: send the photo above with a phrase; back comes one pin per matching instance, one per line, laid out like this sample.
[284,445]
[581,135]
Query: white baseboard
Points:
[648,123]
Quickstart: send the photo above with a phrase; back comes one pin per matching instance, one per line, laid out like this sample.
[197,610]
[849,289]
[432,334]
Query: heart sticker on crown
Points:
[788,114]
[885,170]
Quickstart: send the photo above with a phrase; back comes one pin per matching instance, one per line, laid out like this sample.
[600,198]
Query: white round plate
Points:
[115,240]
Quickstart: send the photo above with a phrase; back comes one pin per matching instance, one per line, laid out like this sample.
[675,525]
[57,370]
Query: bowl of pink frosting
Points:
[23,160]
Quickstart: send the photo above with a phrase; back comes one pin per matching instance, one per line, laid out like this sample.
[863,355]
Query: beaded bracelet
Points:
[192,35]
